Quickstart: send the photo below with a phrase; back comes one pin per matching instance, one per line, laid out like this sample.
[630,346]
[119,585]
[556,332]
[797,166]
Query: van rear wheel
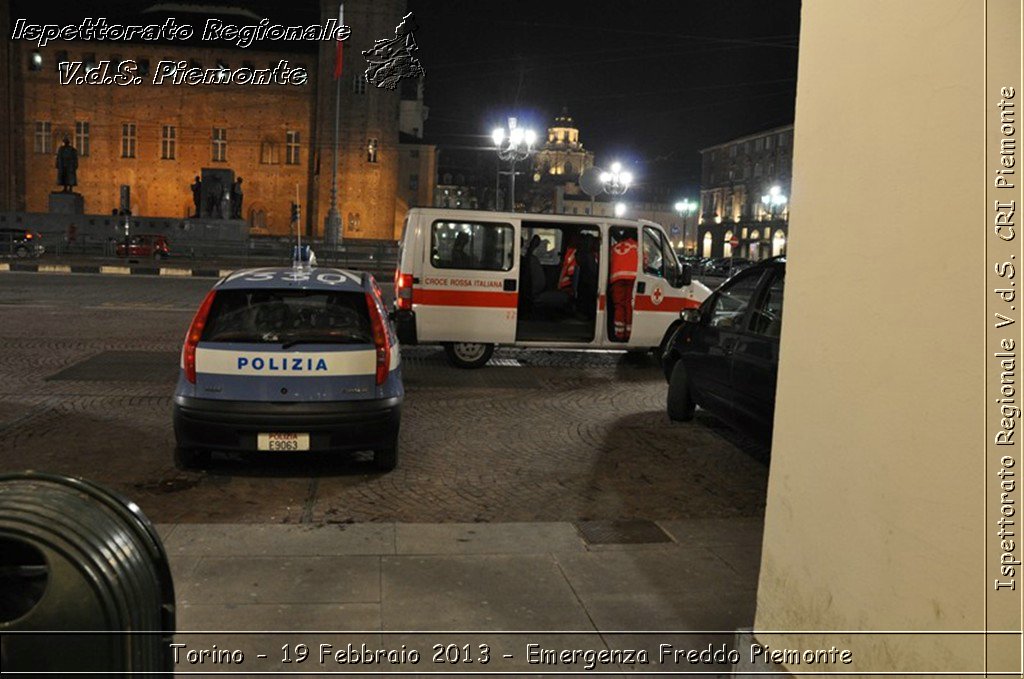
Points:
[468,354]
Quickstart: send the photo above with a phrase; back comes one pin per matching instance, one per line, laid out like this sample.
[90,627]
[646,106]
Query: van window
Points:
[654,263]
[477,246]
[289,316]
[550,247]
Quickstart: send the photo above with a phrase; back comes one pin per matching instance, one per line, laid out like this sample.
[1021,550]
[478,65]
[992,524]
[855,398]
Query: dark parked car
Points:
[20,243]
[724,356]
[725,266]
[146,245]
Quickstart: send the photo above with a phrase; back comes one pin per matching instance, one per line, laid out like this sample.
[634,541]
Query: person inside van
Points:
[622,276]
[460,258]
[586,277]
[531,275]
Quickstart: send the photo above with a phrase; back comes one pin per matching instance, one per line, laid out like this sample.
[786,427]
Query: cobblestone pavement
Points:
[536,436]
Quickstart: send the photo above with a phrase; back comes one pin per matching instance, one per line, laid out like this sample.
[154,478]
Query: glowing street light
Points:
[616,182]
[513,146]
[773,201]
[620,209]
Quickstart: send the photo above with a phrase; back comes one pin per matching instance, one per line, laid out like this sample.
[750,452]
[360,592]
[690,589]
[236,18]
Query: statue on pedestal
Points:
[225,204]
[197,196]
[67,166]
[236,199]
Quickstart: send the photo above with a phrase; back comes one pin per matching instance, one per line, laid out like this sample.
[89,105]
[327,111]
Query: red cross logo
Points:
[657,296]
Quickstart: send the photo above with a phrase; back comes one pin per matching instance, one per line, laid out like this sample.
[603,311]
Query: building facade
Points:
[745,188]
[156,138]
[562,156]
[556,165]
[417,160]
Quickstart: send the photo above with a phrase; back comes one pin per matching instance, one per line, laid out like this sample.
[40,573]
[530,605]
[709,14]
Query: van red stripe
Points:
[670,304]
[477,298]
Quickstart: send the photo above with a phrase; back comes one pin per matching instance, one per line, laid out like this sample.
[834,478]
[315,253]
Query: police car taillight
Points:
[381,339]
[403,291]
[195,331]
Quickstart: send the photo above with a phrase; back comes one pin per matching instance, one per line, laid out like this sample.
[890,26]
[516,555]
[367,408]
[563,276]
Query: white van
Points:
[471,280]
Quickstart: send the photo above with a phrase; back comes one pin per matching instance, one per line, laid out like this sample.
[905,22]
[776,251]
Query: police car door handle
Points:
[510,285]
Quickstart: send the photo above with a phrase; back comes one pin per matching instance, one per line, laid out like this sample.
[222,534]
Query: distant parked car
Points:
[725,266]
[724,356]
[146,245]
[20,243]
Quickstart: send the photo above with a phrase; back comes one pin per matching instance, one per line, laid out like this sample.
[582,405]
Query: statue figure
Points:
[67,166]
[225,204]
[213,199]
[197,196]
[236,199]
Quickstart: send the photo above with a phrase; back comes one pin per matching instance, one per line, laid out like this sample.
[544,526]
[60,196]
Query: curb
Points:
[160,271]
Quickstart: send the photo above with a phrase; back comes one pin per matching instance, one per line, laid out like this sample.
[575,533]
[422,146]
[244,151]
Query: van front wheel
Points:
[468,354]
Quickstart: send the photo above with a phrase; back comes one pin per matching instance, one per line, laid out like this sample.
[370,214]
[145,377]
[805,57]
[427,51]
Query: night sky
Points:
[648,82]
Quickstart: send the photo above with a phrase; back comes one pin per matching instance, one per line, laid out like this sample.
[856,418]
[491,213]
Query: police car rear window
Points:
[289,317]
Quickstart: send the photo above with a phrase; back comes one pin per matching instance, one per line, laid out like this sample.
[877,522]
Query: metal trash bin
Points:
[85,566]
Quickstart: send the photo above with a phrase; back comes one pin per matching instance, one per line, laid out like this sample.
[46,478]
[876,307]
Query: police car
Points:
[289,359]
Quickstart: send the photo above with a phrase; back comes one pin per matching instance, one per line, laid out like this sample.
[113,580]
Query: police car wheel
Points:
[680,405]
[385,459]
[468,354]
[190,458]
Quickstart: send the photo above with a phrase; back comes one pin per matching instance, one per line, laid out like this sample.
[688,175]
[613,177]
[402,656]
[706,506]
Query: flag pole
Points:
[298,228]
[333,236]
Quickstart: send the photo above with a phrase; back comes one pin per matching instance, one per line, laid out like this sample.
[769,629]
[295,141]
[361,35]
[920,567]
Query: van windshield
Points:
[289,317]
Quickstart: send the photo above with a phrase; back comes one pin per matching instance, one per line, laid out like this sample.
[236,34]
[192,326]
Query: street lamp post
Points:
[513,146]
[773,202]
[685,208]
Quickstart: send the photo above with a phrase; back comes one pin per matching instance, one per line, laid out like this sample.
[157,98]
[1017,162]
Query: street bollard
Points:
[82,570]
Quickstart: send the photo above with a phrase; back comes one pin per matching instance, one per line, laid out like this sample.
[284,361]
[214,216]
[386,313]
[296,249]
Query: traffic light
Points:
[295,212]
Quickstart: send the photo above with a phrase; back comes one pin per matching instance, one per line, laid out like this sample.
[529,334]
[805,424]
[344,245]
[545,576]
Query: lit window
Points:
[220,144]
[82,137]
[359,84]
[43,138]
[168,142]
[371,150]
[291,152]
[128,140]
[35,61]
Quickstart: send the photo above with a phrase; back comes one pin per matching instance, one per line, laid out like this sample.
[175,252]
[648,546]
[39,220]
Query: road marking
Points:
[54,268]
[226,272]
[15,305]
[5,267]
[165,271]
[137,306]
[123,270]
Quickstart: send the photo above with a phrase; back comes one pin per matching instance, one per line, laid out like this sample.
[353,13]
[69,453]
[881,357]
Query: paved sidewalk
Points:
[383,581]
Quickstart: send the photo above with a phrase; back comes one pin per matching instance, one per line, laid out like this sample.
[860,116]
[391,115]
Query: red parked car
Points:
[146,245]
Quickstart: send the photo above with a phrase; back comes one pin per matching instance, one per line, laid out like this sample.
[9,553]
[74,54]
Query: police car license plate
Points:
[282,441]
